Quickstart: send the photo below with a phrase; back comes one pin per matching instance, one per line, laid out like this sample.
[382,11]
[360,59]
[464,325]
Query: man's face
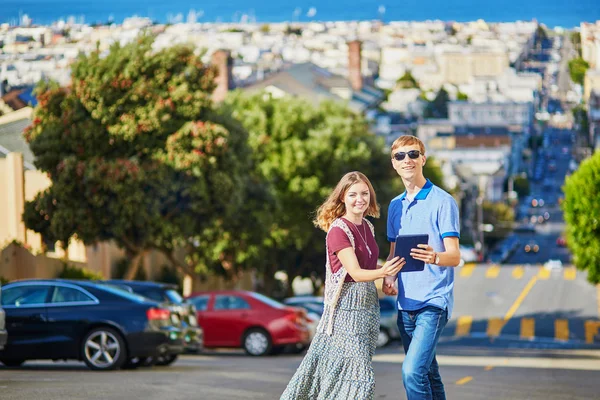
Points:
[410,168]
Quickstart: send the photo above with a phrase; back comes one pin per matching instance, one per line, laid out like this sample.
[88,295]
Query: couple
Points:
[338,364]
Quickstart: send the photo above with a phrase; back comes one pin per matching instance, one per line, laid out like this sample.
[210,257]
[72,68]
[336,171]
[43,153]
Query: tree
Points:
[136,154]
[407,81]
[501,217]
[438,108]
[460,96]
[582,216]
[540,36]
[577,69]
[302,151]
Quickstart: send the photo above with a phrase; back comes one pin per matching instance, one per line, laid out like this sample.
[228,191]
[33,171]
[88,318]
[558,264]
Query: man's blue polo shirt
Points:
[435,212]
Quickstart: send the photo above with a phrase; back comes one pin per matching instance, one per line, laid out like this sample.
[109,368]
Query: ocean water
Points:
[565,13]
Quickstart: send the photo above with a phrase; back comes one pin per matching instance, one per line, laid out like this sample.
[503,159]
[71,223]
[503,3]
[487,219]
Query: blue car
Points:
[101,325]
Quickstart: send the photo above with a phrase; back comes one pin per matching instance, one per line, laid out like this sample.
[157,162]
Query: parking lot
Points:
[229,375]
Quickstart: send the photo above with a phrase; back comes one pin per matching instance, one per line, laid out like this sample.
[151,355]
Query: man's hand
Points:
[389,286]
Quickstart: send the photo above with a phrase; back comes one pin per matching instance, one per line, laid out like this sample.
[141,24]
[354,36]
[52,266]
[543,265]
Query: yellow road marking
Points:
[591,330]
[520,299]
[492,272]
[467,270]
[463,325]
[527,328]
[488,368]
[544,273]
[570,273]
[561,329]
[494,327]
[464,380]
[518,272]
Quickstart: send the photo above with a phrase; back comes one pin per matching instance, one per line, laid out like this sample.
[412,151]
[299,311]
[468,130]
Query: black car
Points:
[3,334]
[102,325]
[167,294]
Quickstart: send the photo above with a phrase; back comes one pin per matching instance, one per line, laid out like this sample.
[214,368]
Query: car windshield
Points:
[116,290]
[174,297]
[267,300]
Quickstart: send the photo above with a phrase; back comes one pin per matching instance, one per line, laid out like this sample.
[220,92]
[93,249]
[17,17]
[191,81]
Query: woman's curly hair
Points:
[334,207]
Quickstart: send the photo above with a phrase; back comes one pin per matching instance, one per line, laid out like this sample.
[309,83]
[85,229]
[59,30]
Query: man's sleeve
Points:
[337,240]
[448,218]
[392,232]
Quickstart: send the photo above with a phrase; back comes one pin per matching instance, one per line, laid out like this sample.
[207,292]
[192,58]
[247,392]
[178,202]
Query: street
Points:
[230,376]
[518,332]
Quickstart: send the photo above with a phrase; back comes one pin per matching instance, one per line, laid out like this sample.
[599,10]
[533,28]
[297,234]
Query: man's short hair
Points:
[408,140]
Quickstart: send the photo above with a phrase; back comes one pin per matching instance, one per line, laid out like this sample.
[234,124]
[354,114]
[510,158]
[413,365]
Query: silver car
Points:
[388,329]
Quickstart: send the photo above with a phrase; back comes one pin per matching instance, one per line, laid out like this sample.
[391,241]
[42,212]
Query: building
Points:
[315,84]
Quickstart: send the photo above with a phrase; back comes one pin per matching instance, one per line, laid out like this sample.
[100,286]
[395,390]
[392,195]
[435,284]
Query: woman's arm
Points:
[348,259]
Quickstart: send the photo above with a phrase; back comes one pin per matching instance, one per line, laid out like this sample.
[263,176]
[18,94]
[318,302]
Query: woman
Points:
[338,363]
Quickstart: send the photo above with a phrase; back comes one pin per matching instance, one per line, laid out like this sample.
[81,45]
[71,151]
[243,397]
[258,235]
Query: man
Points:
[425,298]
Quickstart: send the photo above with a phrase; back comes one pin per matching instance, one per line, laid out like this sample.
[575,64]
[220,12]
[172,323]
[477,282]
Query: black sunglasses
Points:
[413,155]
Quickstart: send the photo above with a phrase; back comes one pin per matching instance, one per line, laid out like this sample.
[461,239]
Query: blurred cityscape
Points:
[507,110]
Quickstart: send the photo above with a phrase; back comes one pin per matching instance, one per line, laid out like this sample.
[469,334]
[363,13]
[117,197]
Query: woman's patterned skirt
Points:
[339,367]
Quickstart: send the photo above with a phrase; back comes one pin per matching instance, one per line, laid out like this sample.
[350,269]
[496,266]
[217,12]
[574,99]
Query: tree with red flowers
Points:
[137,155]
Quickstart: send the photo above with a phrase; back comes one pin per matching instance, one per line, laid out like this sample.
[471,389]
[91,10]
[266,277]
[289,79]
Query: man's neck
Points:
[413,187]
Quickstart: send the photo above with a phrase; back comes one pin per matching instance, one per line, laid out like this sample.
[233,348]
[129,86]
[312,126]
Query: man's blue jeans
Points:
[420,331]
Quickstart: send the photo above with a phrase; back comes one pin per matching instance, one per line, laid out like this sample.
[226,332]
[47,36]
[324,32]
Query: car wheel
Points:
[165,360]
[257,342]
[12,362]
[383,338]
[103,349]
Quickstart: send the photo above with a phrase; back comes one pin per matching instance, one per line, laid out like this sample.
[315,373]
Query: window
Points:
[230,303]
[200,302]
[25,295]
[64,294]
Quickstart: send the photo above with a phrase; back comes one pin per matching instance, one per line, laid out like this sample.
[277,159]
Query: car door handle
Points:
[244,315]
[38,317]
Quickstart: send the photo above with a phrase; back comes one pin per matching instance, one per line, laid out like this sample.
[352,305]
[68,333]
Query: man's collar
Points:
[423,193]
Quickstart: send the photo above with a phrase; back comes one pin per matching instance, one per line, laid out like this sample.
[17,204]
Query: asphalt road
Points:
[232,376]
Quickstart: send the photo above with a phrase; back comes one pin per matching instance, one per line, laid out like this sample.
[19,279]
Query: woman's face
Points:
[357,198]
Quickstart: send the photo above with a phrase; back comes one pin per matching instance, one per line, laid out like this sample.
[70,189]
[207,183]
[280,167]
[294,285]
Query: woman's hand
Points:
[392,266]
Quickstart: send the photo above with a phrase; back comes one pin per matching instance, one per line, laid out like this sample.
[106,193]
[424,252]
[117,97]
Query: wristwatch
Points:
[436,261]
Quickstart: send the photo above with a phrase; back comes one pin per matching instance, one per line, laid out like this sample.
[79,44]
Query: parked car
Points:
[314,307]
[553,264]
[3,334]
[102,325]
[166,294]
[388,329]
[249,320]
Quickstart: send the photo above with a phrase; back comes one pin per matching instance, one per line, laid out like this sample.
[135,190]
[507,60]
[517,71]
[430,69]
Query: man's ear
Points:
[424,160]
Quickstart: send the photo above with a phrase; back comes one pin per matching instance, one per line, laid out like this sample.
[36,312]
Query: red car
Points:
[256,323]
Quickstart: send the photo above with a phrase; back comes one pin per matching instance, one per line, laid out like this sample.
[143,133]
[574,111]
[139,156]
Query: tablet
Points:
[403,245]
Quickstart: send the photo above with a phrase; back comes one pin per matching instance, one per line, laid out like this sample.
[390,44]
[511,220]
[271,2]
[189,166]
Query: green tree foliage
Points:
[577,69]
[302,151]
[521,186]
[407,81]
[575,38]
[582,216]
[135,153]
[502,217]
[462,96]
[438,108]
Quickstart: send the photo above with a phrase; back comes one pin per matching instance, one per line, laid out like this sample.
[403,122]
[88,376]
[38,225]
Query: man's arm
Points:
[450,257]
